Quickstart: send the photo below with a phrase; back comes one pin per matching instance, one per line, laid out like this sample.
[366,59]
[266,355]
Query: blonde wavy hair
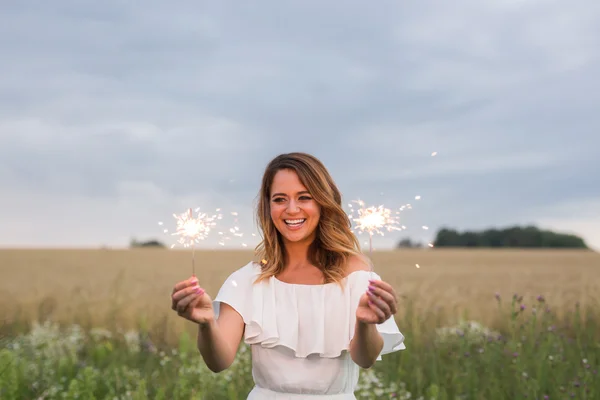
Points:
[335,242]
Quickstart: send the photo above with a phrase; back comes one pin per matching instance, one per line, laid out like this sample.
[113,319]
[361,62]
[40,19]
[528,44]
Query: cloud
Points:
[130,112]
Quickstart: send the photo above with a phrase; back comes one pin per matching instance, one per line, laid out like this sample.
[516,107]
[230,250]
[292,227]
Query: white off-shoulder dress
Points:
[300,335]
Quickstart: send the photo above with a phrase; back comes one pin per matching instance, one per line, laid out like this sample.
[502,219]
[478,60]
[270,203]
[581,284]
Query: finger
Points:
[377,311]
[185,302]
[183,284]
[384,286]
[179,296]
[386,296]
[382,305]
[195,302]
[184,292]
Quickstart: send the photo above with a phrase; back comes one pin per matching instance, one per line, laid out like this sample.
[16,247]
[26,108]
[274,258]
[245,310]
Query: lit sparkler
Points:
[192,230]
[374,220]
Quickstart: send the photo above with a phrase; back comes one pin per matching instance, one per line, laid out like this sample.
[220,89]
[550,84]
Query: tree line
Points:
[515,236]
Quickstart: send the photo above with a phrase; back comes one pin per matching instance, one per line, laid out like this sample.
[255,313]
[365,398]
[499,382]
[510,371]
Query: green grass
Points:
[527,355]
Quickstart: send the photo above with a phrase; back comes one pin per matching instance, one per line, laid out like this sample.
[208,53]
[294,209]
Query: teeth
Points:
[294,221]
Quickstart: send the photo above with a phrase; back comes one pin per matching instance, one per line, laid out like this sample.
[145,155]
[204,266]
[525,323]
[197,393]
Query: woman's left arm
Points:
[375,307]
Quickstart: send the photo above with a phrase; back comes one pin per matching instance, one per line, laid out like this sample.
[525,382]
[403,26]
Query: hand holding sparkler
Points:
[379,303]
[192,302]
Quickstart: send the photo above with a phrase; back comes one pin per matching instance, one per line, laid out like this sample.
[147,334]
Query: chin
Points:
[297,237]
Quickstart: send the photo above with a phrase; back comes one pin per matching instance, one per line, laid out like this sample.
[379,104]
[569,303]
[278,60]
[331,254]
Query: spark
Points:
[434,154]
[417,265]
[374,220]
[192,230]
[417,197]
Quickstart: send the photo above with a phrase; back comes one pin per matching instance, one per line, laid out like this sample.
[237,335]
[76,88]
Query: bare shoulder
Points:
[358,263]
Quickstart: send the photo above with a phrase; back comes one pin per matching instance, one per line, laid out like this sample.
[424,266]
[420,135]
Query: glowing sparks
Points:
[190,229]
[373,220]
[232,232]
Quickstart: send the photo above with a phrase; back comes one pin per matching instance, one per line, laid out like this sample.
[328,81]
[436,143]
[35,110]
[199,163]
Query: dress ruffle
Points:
[307,319]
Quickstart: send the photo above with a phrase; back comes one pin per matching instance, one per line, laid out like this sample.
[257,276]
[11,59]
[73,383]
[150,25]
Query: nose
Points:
[293,207]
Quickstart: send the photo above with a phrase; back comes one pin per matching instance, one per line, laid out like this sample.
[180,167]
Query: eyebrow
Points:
[283,194]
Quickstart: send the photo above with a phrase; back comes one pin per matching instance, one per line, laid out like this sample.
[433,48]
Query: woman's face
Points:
[293,210]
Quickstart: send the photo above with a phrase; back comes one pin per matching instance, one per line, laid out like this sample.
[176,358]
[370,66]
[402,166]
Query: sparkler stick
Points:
[192,230]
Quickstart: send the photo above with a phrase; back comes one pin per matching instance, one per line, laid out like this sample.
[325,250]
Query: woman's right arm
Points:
[219,339]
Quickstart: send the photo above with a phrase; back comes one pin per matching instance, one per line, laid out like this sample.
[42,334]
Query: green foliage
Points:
[521,237]
[531,353]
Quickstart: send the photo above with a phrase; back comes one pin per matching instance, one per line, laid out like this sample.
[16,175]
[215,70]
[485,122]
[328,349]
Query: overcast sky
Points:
[114,114]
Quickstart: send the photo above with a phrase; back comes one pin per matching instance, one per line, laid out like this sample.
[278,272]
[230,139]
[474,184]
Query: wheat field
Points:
[126,288]
[98,324]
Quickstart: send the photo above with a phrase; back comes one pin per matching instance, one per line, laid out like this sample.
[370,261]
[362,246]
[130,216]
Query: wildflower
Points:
[497,296]
[515,354]
[522,307]
[546,397]
[541,299]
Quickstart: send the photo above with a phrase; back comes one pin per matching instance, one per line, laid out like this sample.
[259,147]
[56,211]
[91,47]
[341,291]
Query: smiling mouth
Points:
[294,223]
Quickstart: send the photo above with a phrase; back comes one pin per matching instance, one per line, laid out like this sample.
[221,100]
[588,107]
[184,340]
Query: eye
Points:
[305,198]
[278,200]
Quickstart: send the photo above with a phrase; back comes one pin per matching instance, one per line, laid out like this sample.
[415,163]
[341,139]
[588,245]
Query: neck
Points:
[297,254]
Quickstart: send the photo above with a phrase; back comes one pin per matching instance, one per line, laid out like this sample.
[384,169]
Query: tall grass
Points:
[530,352]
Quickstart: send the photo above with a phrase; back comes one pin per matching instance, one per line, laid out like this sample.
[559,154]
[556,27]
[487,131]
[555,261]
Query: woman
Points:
[308,310]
